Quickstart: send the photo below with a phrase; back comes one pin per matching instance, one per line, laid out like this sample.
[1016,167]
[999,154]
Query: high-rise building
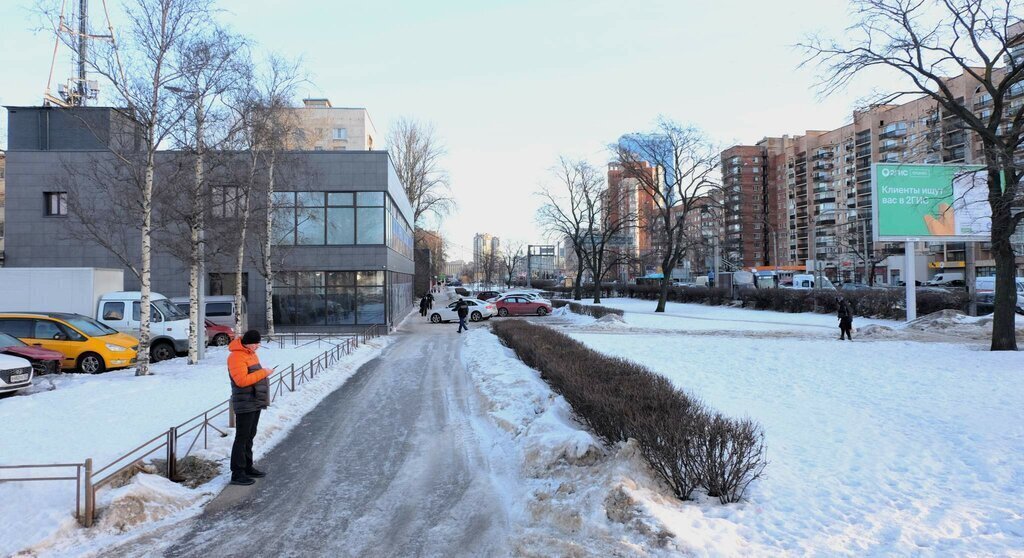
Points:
[813,192]
[486,256]
[627,197]
[322,127]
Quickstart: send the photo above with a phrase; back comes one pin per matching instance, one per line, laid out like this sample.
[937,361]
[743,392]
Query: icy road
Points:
[388,465]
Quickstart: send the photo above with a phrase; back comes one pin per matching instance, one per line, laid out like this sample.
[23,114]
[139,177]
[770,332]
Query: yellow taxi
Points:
[86,344]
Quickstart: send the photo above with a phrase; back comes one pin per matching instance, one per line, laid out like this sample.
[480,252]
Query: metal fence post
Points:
[292,367]
[172,438]
[89,494]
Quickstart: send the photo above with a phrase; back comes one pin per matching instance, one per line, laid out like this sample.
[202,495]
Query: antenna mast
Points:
[77,91]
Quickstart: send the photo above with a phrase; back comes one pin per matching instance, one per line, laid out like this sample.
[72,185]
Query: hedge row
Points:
[685,443]
[587,310]
[879,303]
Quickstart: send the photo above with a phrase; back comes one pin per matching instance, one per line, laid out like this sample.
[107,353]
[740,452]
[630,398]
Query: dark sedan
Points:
[44,361]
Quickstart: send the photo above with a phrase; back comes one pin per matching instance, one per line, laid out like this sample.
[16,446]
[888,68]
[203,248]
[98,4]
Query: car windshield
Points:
[169,310]
[8,341]
[89,326]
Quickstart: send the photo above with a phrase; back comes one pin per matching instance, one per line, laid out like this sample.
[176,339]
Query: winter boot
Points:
[241,479]
[255,473]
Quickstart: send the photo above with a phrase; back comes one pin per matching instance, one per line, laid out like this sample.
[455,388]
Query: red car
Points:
[218,335]
[44,361]
[517,305]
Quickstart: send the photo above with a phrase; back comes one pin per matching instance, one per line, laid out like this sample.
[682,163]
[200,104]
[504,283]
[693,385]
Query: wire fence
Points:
[190,433]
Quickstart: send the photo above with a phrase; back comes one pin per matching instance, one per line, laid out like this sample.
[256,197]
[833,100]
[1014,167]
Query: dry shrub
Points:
[684,443]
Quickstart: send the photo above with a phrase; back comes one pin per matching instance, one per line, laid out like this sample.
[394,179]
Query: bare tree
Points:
[417,152]
[209,68]
[925,44]
[139,67]
[564,212]
[606,216]
[673,167]
[511,259]
[490,262]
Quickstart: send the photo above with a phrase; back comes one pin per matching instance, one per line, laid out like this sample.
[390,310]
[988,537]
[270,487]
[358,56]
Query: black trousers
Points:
[241,450]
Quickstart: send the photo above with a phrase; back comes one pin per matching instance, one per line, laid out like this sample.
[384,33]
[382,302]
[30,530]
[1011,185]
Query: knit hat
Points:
[251,337]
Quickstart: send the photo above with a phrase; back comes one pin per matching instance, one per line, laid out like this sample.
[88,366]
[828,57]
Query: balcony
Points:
[822,165]
[864,152]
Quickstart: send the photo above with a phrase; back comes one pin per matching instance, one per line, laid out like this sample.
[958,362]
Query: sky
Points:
[511,86]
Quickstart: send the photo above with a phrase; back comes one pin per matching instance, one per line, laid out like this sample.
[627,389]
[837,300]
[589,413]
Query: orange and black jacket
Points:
[250,390]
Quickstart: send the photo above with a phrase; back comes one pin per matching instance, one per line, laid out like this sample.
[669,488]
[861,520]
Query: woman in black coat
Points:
[845,314]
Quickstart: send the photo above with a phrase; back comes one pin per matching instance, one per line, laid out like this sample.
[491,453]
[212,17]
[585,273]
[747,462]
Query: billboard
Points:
[930,202]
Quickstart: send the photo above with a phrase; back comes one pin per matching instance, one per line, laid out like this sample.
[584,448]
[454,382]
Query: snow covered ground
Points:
[875,447]
[67,418]
[700,317]
[568,495]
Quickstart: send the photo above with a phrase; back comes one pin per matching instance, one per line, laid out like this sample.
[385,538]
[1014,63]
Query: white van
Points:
[220,309]
[168,327]
[806,281]
[946,278]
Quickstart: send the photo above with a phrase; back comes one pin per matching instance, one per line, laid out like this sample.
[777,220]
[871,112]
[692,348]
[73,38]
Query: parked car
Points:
[85,343]
[856,287]
[478,310]
[218,335]
[220,309]
[44,361]
[532,296]
[487,295]
[15,373]
[520,305]
[167,325]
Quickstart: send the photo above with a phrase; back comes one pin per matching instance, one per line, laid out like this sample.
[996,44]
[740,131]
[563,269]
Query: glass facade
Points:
[329,298]
[340,219]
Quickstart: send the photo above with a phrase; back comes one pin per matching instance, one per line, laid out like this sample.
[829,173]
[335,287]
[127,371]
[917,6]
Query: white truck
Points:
[97,293]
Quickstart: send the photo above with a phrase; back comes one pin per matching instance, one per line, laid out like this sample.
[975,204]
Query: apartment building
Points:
[816,193]
[638,240]
[323,127]
[486,255]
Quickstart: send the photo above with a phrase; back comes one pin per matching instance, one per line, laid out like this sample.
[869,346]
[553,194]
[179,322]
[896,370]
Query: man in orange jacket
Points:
[250,393]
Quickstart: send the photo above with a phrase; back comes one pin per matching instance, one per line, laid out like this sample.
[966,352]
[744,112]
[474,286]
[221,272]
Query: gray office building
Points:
[342,240]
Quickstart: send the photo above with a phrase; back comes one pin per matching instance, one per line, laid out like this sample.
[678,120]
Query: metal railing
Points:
[89,481]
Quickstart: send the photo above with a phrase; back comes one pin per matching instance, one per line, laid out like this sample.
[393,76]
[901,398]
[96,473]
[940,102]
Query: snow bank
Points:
[576,498]
[75,416]
[879,448]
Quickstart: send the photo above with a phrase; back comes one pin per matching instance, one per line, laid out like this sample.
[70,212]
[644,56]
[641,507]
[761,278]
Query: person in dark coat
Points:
[430,301]
[423,306]
[462,308]
[845,314]
[250,394]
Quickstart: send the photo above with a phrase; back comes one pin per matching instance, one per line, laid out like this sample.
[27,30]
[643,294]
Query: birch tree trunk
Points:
[196,262]
[268,245]
[240,260]
[144,279]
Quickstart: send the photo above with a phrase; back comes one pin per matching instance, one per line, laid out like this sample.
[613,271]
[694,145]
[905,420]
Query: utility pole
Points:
[970,278]
[529,265]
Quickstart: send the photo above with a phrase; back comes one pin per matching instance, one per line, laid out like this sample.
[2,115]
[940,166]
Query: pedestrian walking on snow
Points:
[430,301]
[462,308]
[423,306]
[845,314]
[250,394]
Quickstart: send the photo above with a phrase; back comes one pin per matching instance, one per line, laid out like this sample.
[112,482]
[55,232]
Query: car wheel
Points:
[161,351]
[542,311]
[503,312]
[221,339]
[435,318]
[475,316]
[91,363]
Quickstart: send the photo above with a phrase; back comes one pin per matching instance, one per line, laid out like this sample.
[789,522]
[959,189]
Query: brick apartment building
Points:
[638,240]
[812,193]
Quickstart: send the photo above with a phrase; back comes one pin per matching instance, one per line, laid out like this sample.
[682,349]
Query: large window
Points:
[331,218]
[225,201]
[329,298]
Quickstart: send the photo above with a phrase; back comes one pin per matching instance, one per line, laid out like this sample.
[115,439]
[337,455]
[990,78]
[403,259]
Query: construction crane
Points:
[76,91]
